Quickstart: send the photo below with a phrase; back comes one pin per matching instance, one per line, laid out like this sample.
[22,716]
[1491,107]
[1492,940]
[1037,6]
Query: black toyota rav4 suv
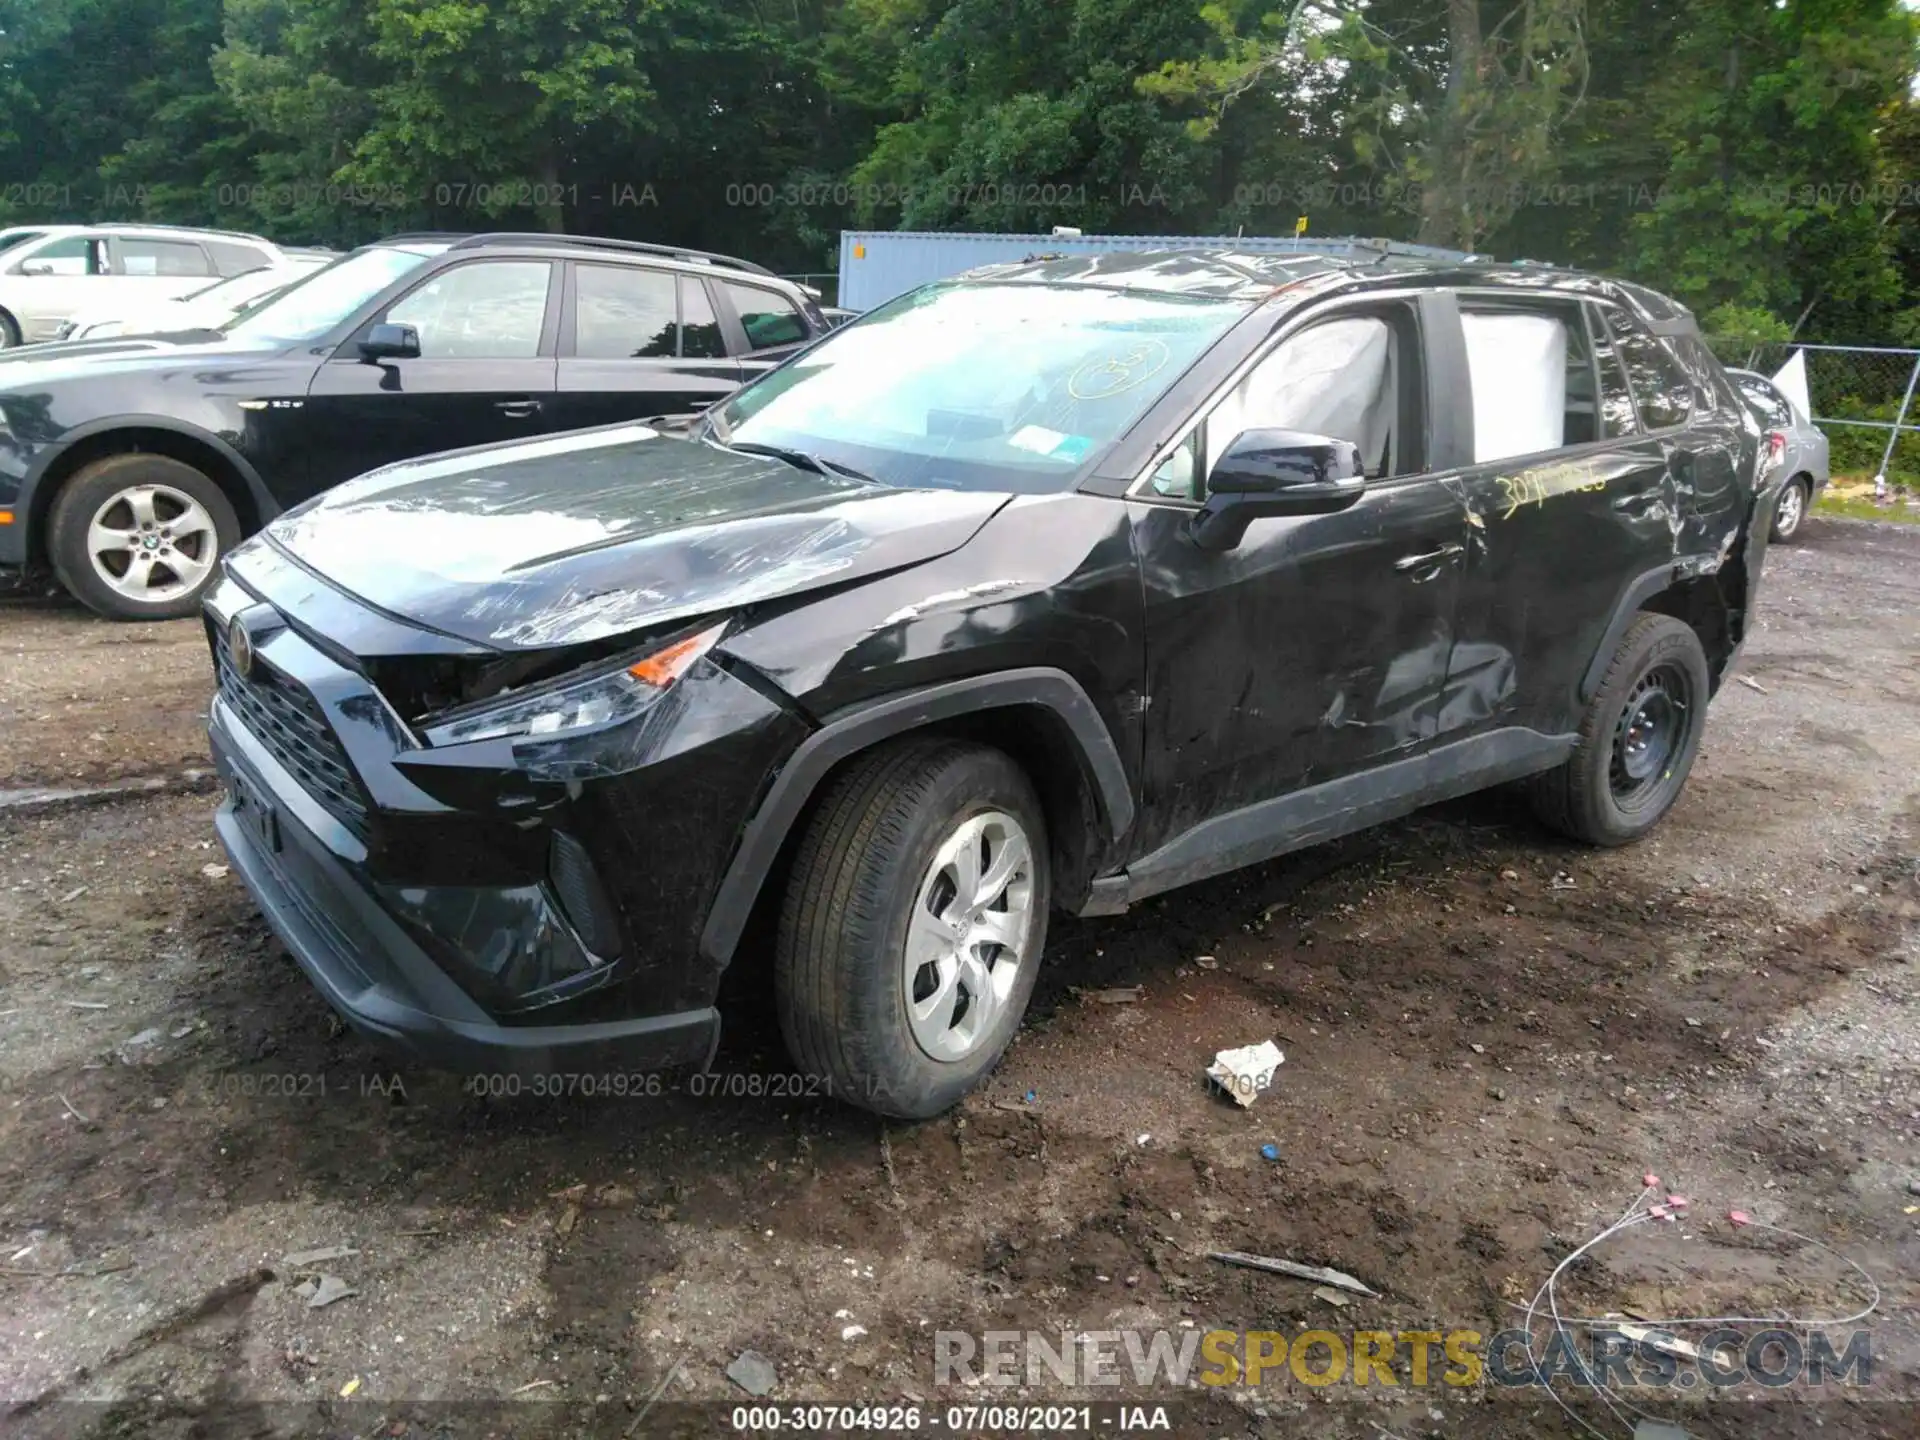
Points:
[130,466]
[1051,587]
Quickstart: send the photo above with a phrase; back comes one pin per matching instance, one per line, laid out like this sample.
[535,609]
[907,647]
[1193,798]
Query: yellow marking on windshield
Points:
[1117,373]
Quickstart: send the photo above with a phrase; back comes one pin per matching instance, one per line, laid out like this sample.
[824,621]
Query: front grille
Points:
[284,718]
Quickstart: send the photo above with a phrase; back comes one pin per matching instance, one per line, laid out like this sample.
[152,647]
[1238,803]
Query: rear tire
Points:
[139,537]
[1638,738]
[1790,509]
[892,983]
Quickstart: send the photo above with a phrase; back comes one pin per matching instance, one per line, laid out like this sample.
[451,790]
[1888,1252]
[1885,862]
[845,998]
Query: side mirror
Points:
[36,267]
[391,342]
[1276,472]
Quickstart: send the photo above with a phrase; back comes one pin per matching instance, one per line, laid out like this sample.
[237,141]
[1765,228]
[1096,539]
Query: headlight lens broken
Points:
[602,697]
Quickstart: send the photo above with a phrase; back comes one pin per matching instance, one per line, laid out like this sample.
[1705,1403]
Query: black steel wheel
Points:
[1637,740]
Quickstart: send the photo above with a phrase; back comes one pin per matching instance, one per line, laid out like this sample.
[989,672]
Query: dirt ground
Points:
[1489,1036]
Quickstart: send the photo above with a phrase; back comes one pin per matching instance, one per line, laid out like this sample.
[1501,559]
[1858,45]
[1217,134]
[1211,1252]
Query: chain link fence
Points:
[1863,397]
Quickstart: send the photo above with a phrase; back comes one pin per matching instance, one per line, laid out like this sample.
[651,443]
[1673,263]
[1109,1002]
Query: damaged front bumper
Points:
[481,910]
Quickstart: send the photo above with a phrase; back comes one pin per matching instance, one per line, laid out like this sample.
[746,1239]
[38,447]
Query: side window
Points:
[1533,380]
[1178,476]
[1340,379]
[623,312]
[1712,387]
[700,337]
[1767,400]
[1662,388]
[768,319]
[491,310]
[70,255]
[1617,420]
[232,258]
[163,258]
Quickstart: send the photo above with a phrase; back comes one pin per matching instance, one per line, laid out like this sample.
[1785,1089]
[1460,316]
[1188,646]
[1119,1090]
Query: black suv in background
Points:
[132,467]
[1055,586]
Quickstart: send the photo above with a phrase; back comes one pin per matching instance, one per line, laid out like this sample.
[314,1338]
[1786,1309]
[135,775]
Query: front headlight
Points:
[588,701]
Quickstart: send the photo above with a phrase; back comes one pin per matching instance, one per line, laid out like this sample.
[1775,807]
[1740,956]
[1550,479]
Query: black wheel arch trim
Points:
[30,503]
[848,732]
[1643,589]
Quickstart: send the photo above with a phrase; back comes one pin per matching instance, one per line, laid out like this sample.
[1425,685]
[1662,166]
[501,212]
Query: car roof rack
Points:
[594,242]
[212,231]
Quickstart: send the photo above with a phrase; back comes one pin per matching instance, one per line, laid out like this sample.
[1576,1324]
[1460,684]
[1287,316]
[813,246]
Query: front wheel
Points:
[138,537]
[913,924]
[1638,738]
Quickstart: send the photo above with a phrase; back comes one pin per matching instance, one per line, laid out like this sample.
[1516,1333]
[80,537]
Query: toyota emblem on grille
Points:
[240,647]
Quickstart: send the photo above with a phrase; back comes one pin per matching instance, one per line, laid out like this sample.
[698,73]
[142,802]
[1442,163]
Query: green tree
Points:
[1770,114]
[1456,111]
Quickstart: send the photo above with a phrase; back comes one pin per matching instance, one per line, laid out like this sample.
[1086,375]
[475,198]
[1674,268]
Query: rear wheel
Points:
[1638,738]
[913,924]
[139,537]
[1790,510]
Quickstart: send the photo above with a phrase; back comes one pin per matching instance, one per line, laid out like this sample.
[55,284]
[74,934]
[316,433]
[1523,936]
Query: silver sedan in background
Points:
[1795,449]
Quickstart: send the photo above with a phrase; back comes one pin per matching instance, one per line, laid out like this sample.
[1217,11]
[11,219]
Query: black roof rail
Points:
[594,242]
[408,236]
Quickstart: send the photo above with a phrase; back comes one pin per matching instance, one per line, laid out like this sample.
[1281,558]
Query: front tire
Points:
[1638,738]
[913,923]
[1790,509]
[139,537]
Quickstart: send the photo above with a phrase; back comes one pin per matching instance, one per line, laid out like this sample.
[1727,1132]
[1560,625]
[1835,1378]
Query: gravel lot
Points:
[1489,1036]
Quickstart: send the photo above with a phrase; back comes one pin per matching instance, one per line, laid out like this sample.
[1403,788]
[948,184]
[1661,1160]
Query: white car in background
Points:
[50,272]
[207,308]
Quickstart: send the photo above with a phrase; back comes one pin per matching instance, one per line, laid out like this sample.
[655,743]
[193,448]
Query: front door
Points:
[48,281]
[1317,647]
[640,343]
[485,373]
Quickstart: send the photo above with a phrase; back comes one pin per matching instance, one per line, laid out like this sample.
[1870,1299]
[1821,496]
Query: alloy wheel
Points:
[1791,511]
[970,932]
[152,543]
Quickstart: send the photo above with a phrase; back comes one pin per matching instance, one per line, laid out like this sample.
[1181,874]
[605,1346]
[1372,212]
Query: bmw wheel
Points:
[139,537]
[913,924]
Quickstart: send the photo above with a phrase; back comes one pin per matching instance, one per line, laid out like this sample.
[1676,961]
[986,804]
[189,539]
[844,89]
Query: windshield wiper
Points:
[802,459]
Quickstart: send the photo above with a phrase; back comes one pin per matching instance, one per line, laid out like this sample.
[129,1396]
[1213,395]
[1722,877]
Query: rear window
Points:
[768,319]
[1662,388]
[169,258]
[1765,399]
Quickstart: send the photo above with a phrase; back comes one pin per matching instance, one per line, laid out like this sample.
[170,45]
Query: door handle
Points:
[1433,557]
[517,409]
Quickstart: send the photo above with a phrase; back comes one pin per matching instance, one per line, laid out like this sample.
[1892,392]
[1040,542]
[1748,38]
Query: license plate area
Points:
[254,811]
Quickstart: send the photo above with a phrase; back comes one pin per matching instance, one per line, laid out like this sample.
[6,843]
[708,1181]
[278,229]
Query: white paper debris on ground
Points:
[1245,1072]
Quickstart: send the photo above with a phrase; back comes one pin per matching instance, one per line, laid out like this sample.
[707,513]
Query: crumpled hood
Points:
[597,533]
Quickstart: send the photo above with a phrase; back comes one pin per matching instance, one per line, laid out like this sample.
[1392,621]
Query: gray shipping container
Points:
[876,265]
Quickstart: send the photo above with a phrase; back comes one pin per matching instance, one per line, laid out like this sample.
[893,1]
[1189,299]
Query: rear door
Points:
[485,371]
[1571,497]
[637,342]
